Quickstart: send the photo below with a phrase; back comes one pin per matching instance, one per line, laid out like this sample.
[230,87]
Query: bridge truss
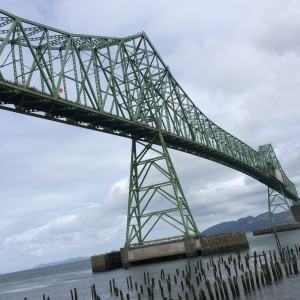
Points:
[122,86]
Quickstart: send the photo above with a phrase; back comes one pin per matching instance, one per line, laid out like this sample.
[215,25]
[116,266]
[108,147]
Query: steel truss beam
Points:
[60,74]
[156,198]
[122,86]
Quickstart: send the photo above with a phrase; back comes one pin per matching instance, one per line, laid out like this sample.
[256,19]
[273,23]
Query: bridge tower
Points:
[156,198]
[277,199]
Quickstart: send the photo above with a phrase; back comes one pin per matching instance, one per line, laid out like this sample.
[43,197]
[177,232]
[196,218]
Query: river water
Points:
[56,282]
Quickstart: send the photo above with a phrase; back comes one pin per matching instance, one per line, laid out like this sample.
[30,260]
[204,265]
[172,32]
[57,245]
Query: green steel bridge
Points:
[122,86]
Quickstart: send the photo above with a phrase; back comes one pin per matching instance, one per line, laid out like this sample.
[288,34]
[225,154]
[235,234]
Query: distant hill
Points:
[62,262]
[249,223]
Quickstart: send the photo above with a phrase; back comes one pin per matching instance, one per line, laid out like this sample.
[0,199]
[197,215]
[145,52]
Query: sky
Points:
[64,190]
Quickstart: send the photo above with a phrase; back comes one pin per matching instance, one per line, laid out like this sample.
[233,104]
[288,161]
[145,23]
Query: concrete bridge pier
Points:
[185,247]
[295,209]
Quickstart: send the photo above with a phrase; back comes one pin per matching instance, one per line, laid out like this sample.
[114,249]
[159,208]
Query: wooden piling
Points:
[225,290]
[231,285]
[251,280]
[216,290]
[162,292]
[148,277]
[244,284]
[279,270]
[247,278]
[203,295]
[210,292]
[262,278]
[273,271]
[286,267]
[75,294]
[162,274]
[290,266]
[295,266]
[220,288]
[256,277]
[236,286]
[149,290]
[194,292]
[187,297]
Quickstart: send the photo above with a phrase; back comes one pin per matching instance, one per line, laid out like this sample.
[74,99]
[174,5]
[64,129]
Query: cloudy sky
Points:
[63,190]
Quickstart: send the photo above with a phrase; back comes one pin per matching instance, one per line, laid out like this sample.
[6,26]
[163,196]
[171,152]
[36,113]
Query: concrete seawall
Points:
[107,261]
[186,247]
[223,243]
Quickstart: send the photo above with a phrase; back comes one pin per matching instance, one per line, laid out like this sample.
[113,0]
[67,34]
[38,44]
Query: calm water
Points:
[56,281]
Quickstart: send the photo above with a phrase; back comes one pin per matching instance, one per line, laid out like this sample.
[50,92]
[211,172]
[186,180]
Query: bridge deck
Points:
[30,102]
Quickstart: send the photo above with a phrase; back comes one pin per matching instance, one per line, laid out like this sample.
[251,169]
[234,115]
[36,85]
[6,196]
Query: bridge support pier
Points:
[184,247]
